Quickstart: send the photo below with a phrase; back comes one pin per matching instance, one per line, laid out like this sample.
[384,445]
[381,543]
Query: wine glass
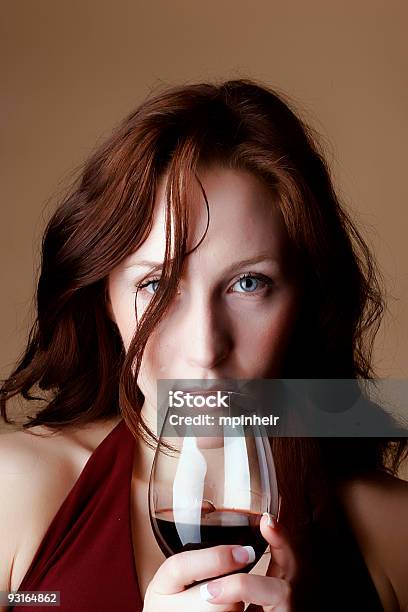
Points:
[211,483]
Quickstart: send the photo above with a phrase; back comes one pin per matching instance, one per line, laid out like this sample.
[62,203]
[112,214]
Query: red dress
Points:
[87,551]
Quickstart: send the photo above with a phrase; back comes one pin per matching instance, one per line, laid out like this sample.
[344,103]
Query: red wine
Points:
[217,526]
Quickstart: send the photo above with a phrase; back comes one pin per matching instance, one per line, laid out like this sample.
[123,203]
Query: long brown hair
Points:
[75,352]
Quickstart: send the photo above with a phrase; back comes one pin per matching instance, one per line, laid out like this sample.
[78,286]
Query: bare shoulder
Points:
[21,450]
[38,468]
[25,468]
[377,509]
[31,456]
[40,451]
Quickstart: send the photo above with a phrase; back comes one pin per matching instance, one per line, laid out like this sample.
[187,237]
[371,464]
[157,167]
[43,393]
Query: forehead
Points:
[243,212]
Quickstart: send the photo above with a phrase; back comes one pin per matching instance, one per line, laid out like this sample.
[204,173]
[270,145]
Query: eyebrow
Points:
[157,265]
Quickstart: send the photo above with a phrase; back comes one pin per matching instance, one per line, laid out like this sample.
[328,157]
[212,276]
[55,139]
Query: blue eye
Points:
[148,283]
[249,282]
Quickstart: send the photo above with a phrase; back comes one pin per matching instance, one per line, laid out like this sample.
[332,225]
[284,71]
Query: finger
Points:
[283,560]
[191,599]
[190,566]
[263,591]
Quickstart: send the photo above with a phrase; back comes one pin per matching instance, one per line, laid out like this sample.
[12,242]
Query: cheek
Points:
[126,325]
[262,343]
[157,356]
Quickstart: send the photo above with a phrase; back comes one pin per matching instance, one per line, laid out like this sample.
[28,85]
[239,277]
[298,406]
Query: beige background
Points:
[73,68]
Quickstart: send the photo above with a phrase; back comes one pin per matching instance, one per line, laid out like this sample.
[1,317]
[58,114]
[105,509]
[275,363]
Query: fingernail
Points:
[243,554]
[271,520]
[209,590]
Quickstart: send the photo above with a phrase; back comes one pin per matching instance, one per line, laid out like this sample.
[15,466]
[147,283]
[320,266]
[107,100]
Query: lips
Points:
[207,389]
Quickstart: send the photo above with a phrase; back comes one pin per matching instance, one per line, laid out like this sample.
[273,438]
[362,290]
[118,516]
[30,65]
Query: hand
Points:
[167,590]
[283,564]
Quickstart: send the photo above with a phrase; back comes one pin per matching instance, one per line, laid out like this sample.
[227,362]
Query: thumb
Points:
[283,560]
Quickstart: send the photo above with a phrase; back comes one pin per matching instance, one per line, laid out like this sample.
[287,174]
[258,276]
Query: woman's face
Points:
[238,298]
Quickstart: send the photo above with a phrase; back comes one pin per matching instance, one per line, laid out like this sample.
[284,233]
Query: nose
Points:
[206,338]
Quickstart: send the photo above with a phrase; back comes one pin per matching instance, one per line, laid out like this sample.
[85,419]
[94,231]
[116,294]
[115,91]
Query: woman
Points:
[202,240]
